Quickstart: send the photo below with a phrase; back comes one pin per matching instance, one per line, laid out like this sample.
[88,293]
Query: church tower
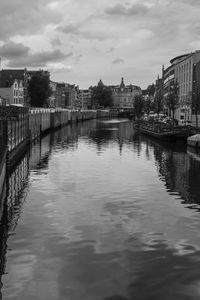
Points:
[122,85]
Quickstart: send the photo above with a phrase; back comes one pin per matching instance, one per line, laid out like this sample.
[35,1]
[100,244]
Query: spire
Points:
[122,85]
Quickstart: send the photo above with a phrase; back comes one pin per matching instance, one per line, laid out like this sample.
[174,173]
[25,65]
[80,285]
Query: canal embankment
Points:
[20,126]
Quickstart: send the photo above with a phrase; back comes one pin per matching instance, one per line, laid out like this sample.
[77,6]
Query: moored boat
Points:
[163,132]
[194,141]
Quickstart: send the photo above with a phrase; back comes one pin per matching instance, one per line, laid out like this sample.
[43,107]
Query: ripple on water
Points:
[108,215]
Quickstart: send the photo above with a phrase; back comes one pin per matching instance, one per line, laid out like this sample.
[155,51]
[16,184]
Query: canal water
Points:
[96,212]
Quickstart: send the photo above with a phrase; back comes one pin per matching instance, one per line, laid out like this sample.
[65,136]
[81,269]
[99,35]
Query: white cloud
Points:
[120,9]
[18,55]
[143,33]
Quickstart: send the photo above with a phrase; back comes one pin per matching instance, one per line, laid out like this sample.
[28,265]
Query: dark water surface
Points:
[96,212]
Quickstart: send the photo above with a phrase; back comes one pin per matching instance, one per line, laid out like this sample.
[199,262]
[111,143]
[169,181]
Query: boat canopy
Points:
[195,137]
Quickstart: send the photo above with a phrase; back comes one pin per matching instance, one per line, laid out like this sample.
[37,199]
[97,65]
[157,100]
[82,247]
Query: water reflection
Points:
[12,199]
[96,211]
[178,169]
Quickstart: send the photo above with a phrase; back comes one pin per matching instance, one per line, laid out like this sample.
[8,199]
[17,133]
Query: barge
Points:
[194,141]
[166,133]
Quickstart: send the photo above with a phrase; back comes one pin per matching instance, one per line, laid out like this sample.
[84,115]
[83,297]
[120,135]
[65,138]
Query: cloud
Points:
[138,35]
[26,17]
[60,68]
[19,55]
[70,28]
[78,57]
[82,30]
[56,42]
[13,50]
[118,61]
[122,10]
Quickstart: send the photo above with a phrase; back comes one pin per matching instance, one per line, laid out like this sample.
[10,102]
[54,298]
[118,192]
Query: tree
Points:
[158,102]
[172,98]
[196,92]
[196,102]
[151,89]
[102,96]
[138,106]
[39,90]
[149,104]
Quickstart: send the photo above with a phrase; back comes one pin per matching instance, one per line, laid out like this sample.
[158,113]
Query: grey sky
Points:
[81,41]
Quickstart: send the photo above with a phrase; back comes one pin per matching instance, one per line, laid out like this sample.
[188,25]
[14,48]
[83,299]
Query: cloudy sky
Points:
[81,41]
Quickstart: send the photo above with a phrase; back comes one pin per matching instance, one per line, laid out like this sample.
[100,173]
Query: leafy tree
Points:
[196,102]
[138,107]
[196,92]
[172,98]
[151,89]
[158,102]
[148,97]
[148,105]
[39,90]
[102,96]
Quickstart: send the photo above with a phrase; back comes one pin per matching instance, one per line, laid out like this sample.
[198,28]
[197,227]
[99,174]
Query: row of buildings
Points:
[70,96]
[14,90]
[67,95]
[183,71]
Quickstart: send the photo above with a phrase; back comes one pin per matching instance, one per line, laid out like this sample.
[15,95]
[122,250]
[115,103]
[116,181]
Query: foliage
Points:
[138,107]
[39,90]
[151,89]
[102,96]
[172,98]
[196,102]
[158,102]
[148,105]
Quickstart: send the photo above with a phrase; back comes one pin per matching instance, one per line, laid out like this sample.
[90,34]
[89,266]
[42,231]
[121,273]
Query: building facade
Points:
[13,85]
[66,95]
[124,95]
[168,83]
[13,93]
[52,98]
[182,72]
[184,69]
[85,97]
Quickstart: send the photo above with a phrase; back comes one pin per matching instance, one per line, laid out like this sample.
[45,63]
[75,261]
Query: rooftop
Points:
[8,76]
